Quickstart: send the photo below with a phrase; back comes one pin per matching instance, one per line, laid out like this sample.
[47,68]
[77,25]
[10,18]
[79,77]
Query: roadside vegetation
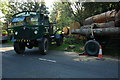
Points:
[70,44]
[7,43]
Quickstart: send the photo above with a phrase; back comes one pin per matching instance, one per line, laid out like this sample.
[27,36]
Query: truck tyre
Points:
[92,47]
[19,47]
[43,46]
[29,47]
[59,41]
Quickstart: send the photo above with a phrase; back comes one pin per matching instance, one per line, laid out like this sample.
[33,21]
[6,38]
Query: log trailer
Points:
[100,30]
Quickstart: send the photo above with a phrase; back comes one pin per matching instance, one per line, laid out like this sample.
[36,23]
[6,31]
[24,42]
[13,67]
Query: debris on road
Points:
[71,46]
[65,49]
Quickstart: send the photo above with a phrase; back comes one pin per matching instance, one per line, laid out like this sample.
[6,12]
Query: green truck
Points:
[33,29]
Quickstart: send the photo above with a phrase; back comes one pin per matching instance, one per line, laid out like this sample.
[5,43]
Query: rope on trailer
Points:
[92,32]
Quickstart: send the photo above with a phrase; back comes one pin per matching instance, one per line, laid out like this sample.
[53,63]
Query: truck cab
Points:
[31,29]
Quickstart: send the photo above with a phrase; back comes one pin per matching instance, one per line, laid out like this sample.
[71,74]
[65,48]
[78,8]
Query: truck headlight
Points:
[35,32]
[16,33]
[11,31]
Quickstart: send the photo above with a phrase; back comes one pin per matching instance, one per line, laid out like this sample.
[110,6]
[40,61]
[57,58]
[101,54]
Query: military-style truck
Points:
[33,29]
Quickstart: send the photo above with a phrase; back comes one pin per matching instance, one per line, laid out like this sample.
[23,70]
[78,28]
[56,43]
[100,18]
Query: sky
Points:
[49,4]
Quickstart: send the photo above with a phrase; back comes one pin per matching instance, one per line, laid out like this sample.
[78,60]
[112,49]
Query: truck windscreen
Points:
[26,20]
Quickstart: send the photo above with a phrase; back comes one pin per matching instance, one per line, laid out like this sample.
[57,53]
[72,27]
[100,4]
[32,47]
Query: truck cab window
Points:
[32,20]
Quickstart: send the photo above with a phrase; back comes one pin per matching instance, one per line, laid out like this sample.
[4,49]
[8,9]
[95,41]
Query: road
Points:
[56,64]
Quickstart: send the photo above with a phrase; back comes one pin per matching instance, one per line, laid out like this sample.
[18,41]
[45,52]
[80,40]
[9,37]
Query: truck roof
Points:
[28,13]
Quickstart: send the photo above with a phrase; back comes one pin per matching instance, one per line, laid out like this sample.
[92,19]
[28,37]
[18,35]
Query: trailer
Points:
[100,30]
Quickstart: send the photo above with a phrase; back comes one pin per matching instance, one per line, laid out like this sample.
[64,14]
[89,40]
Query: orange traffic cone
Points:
[100,56]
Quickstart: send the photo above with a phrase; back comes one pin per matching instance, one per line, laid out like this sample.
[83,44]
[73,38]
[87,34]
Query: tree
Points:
[82,10]
[79,11]
[10,8]
[61,14]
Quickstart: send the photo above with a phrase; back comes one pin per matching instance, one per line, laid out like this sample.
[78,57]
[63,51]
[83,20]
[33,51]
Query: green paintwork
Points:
[27,32]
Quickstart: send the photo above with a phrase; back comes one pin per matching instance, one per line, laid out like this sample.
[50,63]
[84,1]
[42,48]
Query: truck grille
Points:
[25,33]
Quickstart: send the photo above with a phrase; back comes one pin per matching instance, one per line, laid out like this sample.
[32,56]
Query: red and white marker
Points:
[100,56]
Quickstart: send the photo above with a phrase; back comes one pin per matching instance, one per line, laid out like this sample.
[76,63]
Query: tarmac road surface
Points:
[56,64]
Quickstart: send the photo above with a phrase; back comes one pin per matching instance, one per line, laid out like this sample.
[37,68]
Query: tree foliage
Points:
[87,9]
[61,14]
[10,8]
[79,11]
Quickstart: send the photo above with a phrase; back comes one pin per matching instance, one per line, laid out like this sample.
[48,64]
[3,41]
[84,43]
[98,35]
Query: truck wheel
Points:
[92,47]
[29,47]
[59,41]
[19,47]
[43,46]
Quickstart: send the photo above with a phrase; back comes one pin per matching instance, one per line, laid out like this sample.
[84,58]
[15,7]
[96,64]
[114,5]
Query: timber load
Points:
[101,18]
[117,19]
[107,23]
[97,31]
[68,30]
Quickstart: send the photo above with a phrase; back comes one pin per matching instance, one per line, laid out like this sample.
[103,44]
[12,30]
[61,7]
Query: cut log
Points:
[107,16]
[87,26]
[105,25]
[117,23]
[117,19]
[101,18]
[106,31]
[88,21]
[101,25]
[97,31]
[66,30]
[74,25]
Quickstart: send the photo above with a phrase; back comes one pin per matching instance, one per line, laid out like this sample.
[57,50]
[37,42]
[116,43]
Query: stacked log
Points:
[117,19]
[103,24]
[97,31]
[73,25]
[100,18]
[66,30]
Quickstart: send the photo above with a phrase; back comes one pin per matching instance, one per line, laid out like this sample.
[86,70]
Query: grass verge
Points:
[78,48]
[7,43]
[65,47]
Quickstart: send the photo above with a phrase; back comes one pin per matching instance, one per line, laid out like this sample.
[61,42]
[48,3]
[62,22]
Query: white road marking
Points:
[47,60]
